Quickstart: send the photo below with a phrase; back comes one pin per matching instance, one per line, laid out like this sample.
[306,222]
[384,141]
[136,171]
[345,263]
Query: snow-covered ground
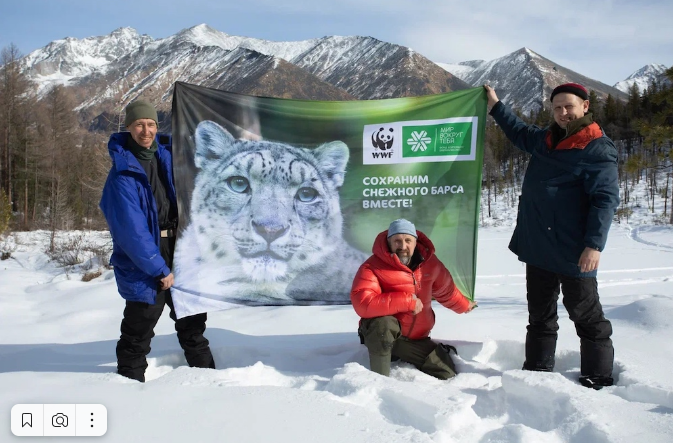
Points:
[289,374]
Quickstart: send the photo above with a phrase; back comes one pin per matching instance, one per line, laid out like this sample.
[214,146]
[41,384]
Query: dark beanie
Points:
[572,88]
[140,109]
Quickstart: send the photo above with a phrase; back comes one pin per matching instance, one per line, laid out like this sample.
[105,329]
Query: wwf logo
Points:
[383,139]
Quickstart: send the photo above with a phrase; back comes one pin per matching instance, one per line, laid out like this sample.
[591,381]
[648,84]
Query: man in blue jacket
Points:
[140,207]
[569,196]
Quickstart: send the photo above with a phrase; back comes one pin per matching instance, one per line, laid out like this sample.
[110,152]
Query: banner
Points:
[280,200]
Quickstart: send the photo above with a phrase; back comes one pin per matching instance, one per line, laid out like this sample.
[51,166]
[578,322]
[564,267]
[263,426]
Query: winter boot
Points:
[596,382]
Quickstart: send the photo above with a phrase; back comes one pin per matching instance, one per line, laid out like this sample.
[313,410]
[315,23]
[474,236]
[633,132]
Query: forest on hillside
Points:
[52,168]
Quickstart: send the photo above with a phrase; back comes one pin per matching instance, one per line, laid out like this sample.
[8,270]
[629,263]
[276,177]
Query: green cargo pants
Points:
[381,336]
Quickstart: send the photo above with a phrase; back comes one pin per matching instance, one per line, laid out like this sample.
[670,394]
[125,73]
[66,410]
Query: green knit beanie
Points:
[140,109]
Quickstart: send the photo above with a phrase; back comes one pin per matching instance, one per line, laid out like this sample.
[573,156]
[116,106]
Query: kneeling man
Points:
[393,291]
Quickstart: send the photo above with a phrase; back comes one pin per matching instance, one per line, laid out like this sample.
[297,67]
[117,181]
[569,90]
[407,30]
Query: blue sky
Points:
[603,39]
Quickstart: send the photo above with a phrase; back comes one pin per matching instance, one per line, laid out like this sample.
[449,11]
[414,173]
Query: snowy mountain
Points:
[206,57]
[109,71]
[152,70]
[370,69]
[462,69]
[643,77]
[204,35]
[65,61]
[525,79]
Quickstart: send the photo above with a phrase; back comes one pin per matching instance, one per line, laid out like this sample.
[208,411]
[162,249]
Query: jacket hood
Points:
[380,248]
[119,155]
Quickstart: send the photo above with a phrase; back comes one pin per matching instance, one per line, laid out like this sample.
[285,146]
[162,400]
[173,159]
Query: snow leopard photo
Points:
[265,223]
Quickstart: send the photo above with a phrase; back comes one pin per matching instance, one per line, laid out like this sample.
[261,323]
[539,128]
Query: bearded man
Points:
[392,293]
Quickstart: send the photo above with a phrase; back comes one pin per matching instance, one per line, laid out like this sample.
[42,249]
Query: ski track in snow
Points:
[621,277]
[612,277]
[636,235]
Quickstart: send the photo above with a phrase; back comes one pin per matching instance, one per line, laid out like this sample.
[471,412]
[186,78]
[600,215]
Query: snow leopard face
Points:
[261,212]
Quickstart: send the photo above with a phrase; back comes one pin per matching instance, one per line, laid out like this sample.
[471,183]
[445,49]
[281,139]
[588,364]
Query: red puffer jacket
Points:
[384,286]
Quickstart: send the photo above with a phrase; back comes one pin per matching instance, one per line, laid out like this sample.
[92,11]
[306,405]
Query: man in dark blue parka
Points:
[140,207]
[568,198]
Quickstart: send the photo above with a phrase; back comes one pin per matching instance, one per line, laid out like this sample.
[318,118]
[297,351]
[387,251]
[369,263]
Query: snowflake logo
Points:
[419,141]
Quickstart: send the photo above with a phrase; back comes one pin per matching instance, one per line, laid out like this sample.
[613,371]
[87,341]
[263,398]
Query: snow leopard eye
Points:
[306,194]
[238,184]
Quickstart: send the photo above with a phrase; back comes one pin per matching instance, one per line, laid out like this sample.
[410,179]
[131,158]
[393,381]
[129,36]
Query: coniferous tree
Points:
[595,107]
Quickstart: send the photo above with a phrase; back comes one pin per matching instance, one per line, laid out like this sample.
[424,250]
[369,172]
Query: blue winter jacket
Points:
[568,197]
[131,213]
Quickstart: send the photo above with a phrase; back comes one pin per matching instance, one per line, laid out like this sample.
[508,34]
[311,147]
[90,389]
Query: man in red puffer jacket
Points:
[393,291]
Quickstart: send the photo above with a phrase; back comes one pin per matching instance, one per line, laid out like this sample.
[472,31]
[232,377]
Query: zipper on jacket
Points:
[413,321]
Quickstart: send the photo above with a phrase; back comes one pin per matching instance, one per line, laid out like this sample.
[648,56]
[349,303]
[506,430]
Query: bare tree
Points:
[62,138]
[13,87]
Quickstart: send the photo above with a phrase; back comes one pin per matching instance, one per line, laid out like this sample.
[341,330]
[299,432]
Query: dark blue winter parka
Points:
[131,213]
[568,197]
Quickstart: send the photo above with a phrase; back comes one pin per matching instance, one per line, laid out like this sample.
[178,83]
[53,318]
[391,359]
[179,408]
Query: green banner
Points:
[280,200]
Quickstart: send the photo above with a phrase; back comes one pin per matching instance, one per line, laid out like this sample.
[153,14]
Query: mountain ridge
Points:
[106,72]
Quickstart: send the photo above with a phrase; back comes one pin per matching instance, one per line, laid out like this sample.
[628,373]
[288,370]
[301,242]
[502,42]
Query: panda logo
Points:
[383,139]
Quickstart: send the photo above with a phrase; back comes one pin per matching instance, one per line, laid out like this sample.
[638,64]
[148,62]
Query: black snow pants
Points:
[137,330]
[580,297]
